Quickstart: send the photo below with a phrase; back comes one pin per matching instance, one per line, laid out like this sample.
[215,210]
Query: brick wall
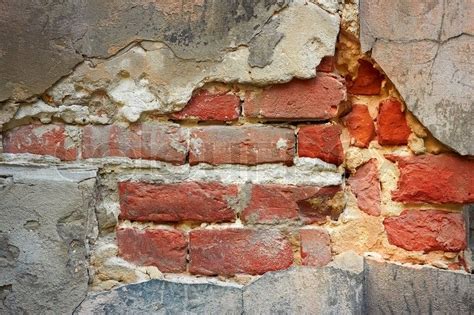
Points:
[229,186]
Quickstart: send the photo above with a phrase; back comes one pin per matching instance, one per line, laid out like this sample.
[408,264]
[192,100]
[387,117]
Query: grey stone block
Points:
[165,297]
[303,290]
[395,289]
[46,217]
[425,48]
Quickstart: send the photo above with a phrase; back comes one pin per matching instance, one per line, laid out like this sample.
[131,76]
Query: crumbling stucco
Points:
[169,61]
[57,36]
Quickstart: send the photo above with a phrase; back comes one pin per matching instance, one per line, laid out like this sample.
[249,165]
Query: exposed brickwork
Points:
[233,251]
[316,99]
[360,125]
[208,106]
[315,247]
[392,127]
[279,203]
[241,145]
[40,139]
[225,150]
[445,178]
[365,185]
[322,142]
[428,230]
[163,248]
[188,201]
[150,141]
[368,80]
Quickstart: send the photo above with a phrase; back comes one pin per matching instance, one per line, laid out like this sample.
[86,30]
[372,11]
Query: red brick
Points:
[427,230]
[163,248]
[207,106]
[241,145]
[314,99]
[322,142]
[233,251]
[392,127]
[360,125]
[327,64]
[187,201]
[278,203]
[368,80]
[315,247]
[445,178]
[40,139]
[143,141]
[365,185]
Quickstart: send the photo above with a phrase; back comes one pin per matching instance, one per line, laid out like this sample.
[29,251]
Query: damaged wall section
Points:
[203,148]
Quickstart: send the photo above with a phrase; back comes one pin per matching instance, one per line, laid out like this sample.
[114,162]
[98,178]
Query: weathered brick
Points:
[315,247]
[327,64]
[427,230]
[241,145]
[360,125]
[187,201]
[163,248]
[233,251]
[211,106]
[392,127]
[149,141]
[365,185]
[322,142]
[40,139]
[368,80]
[315,99]
[277,203]
[445,178]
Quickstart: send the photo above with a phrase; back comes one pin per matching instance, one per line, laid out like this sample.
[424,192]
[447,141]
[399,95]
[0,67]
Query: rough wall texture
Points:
[48,217]
[426,48]
[200,145]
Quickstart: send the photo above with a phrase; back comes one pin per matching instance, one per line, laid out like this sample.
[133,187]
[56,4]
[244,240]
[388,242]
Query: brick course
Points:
[322,142]
[249,145]
[444,178]
[40,139]
[313,99]
[206,105]
[151,141]
[163,248]
[233,251]
[315,247]
[279,203]
[392,127]
[187,201]
[427,230]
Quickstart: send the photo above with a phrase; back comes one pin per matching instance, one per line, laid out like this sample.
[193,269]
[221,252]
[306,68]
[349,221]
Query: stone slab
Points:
[306,291]
[46,218]
[165,297]
[394,289]
[426,48]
